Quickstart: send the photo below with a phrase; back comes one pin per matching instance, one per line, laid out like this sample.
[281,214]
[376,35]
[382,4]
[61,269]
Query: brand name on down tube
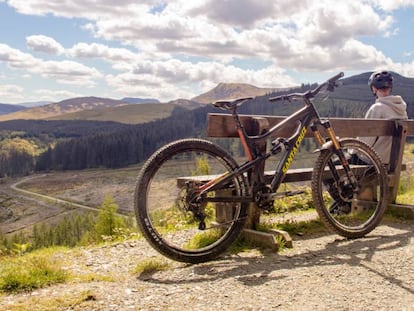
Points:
[294,150]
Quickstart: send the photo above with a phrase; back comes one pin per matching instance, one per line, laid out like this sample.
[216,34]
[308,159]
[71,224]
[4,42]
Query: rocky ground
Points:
[323,272]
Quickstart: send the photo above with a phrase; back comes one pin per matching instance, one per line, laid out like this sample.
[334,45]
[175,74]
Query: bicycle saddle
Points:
[229,104]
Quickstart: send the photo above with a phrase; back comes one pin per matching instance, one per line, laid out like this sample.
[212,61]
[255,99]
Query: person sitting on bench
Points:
[386,106]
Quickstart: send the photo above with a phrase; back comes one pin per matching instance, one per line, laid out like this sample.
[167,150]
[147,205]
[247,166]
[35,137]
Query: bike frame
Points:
[305,118]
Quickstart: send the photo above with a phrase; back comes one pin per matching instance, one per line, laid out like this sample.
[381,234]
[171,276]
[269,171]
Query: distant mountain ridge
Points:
[35,104]
[63,107]
[355,89]
[7,108]
[127,114]
[81,108]
[133,100]
[233,90]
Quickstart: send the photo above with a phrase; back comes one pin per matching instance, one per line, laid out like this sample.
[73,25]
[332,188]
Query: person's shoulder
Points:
[377,110]
[377,105]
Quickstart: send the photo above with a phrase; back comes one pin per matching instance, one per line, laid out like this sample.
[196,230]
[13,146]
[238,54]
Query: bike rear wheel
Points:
[173,223]
[349,212]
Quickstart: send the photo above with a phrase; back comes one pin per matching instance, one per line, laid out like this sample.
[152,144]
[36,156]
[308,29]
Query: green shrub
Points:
[108,223]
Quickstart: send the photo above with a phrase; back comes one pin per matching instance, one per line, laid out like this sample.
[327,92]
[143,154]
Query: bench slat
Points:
[292,175]
[222,125]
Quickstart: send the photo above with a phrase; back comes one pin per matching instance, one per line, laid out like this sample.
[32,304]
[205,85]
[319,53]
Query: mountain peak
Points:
[232,90]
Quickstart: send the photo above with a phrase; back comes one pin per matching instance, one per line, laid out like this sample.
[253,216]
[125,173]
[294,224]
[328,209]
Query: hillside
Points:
[128,114]
[185,103]
[356,88]
[63,107]
[232,90]
[6,108]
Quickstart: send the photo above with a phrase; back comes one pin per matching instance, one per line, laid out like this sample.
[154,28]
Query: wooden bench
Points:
[222,126]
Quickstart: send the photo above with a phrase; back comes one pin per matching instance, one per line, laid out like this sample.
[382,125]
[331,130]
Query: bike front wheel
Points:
[173,222]
[350,211]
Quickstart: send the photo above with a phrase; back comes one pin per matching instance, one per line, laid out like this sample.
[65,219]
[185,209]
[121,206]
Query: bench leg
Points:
[272,239]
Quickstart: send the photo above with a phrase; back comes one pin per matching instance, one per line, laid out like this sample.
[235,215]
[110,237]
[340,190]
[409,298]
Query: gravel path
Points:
[324,272]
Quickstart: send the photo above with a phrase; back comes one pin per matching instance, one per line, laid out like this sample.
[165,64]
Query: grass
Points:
[204,239]
[29,272]
[304,227]
[151,265]
[70,301]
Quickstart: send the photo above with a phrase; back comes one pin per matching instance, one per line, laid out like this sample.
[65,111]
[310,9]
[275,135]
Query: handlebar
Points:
[330,84]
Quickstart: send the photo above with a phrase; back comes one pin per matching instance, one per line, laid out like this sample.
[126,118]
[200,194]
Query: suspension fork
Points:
[336,148]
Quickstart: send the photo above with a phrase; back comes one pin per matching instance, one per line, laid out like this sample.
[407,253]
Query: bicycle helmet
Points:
[380,79]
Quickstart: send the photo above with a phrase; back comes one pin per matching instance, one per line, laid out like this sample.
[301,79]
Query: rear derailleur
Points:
[193,203]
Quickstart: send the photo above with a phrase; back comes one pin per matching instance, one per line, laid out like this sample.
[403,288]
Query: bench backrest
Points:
[222,125]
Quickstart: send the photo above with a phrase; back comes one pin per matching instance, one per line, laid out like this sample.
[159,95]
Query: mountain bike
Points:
[181,185]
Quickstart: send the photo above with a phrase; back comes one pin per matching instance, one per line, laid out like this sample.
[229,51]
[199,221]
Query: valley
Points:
[52,196]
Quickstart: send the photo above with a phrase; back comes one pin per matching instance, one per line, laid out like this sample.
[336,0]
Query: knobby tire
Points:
[350,214]
[161,201]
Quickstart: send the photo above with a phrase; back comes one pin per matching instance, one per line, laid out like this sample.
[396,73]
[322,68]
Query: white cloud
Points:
[67,72]
[243,13]
[41,43]
[53,95]
[95,50]
[161,79]
[388,5]
[221,30]
[327,25]
[17,59]
[297,35]
[11,92]
[77,8]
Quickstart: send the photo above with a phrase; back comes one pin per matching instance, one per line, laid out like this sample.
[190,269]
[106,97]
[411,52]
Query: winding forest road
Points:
[15,185]
[30,208]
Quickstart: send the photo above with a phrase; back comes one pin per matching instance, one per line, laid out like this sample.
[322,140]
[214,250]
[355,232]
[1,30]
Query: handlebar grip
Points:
[278,98]
[334,78]
[332,81]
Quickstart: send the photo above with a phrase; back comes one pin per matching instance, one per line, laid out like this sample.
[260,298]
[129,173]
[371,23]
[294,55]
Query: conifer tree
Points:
[108,221]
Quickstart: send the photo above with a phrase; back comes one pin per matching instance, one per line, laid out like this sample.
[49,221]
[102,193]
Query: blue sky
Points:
[52,50]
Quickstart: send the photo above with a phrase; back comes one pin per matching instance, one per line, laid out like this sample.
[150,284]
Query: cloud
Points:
[16,59]
[219,30]
[66,72]
[95,50]
[170,49]
[163,77]
[88,9]
[327,25]
[69,72]
[391,5]
[41,43]
[11,91]
[248,11]
[53,95]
